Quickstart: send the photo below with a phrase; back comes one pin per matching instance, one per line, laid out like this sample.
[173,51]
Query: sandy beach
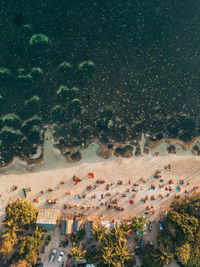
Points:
[185,168]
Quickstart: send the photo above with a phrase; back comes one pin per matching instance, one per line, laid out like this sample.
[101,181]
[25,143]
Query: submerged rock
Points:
[39,39]
[64,94]
[9,135]
[58,114]
[110,146]
[37,73]
[75,106]
[28,124]
[5,74]
[196,150]
[64,73]
[146,148]
[171,149]
[137,151]
[128,151]
[104,152]
[127,154]
[76,156]
[118,151]
[32,105]
[87,67]
[11,120]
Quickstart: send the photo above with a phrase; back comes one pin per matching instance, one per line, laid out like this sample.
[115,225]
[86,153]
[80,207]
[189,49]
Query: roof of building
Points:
[47,216]
[66,227]
[88,228]
[77,225]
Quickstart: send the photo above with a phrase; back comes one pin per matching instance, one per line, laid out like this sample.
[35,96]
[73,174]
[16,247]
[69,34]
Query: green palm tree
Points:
[77,252]
[99,232]
[138,224]
[109,254]
[164,256]
[117,234]
[123,252]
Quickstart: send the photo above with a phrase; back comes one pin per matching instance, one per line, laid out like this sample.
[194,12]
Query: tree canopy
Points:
[20,234]
[20,213]
[181,235]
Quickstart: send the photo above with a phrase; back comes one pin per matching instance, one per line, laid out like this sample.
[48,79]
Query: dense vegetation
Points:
[113,247]
[181,235]
[91,78]
[21,238]
[180,238]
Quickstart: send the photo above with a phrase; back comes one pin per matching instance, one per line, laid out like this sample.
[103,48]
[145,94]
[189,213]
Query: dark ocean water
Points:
[140,71]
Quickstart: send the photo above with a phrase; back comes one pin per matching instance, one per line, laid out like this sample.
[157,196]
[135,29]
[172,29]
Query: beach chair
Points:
[76,179]
[100,181]
[90,175]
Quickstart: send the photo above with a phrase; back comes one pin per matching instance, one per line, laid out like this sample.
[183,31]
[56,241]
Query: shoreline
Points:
[52,157]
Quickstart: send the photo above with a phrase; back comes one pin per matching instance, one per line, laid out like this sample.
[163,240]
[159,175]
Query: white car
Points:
[60,256]
[52,256]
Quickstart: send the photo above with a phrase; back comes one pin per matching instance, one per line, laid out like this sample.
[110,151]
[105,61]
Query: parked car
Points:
[60,256]
[53,254]
[150,226]
[161,226]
